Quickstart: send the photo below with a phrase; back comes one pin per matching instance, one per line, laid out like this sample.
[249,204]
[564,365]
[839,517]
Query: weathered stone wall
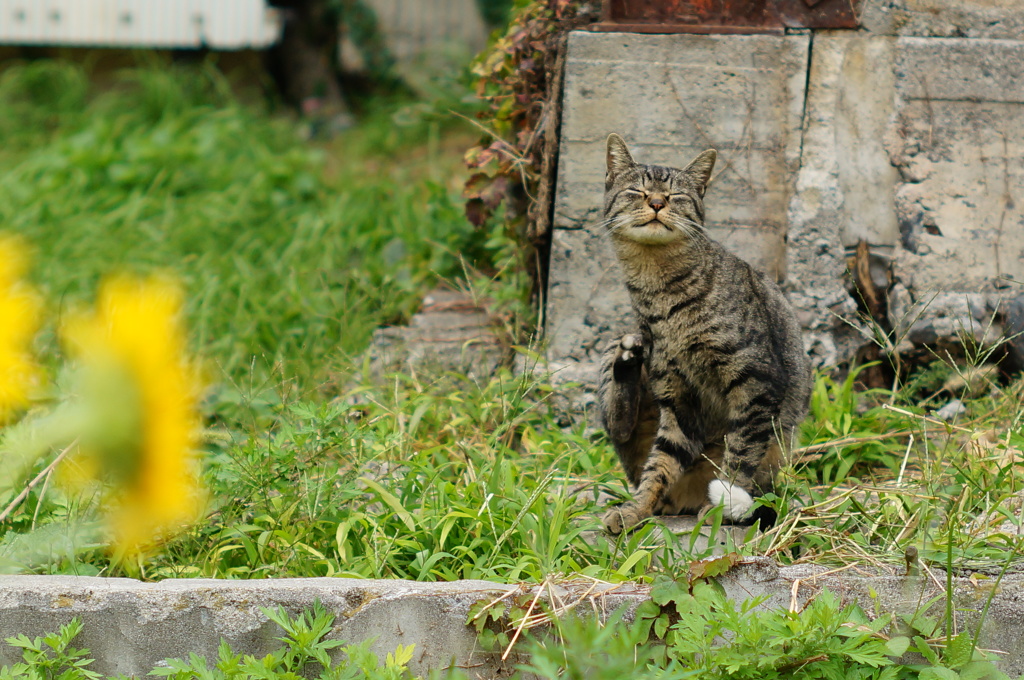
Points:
[907,135]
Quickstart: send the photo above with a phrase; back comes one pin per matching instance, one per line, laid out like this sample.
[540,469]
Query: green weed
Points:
[51,657]
[694,630]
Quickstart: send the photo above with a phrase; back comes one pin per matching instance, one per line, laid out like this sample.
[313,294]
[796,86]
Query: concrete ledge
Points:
[130,626]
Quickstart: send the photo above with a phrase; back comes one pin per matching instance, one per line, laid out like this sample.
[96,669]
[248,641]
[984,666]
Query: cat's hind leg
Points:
[690,495]
[737,487]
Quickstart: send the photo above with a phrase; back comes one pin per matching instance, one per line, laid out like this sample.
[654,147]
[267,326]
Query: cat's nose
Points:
[656,203]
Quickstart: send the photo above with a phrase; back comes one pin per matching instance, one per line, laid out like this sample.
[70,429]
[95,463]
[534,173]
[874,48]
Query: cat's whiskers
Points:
[617,222]
[683,224]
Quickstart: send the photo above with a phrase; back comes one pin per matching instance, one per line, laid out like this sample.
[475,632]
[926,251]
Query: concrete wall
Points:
[907,134]
[425,37]
[129,626]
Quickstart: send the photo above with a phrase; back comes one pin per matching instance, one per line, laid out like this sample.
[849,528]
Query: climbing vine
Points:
[517,76]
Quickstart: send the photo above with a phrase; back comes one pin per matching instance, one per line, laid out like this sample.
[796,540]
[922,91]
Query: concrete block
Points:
[913,145]
[453,331]
[671,97]
[960,152]
[942,18]
[844,188]
[130,626]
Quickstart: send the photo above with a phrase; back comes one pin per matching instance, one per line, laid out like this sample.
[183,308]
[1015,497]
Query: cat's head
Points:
[652,204]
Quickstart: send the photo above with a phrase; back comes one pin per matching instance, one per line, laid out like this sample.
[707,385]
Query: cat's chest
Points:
[681,369]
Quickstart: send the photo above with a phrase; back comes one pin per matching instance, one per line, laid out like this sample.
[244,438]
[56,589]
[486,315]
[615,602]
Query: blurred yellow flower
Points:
[19,319]
[140,394]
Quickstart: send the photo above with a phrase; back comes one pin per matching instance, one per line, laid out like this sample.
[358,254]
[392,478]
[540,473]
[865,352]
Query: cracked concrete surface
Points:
[131,626]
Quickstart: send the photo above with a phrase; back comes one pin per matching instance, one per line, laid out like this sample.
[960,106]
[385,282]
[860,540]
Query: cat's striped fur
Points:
[702,401]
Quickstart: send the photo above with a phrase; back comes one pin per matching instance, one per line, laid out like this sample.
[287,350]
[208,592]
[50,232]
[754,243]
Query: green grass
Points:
[282,263]
[881,475]
[291,253]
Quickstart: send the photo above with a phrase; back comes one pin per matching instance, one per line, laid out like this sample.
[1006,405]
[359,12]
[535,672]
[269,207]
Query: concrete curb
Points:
[130,626]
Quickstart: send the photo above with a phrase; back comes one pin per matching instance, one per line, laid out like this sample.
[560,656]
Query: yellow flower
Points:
[140,394]
[19,319]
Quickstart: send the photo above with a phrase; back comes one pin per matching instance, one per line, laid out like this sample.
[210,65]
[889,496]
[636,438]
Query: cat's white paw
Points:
[630,347]
[737,502]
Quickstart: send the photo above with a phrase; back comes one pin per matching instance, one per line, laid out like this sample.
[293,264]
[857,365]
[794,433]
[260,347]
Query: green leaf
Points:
[897,646]
[631,561]
[666,591]
[938,673]
[981,670]
[922,646]
[392,501]
[958,651]
[660,626]
[401,657]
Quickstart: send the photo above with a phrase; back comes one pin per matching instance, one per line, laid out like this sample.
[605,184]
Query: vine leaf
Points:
[712,567]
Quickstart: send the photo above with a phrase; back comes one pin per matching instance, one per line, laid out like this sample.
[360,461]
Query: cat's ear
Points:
[618,155]
[699,169]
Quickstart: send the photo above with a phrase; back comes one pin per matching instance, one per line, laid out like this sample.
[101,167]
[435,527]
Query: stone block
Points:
[844,188]
[942,18]
[452,331]
[671,97]
[913,145]
[959,149]
[960,152]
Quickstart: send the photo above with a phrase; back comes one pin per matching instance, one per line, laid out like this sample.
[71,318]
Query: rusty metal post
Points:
[725,16]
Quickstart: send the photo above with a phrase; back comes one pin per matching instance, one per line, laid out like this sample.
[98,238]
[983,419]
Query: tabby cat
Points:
[699,404]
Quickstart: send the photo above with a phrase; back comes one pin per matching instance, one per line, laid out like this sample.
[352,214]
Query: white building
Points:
[216,24]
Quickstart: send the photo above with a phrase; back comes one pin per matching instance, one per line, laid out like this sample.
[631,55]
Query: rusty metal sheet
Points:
[726,16]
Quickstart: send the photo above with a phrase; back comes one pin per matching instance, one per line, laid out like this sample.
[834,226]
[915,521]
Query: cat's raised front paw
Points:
[629,356]
[622,518]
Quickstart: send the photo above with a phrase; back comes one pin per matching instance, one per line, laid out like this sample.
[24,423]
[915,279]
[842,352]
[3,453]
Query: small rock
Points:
[951,410]
[451,332]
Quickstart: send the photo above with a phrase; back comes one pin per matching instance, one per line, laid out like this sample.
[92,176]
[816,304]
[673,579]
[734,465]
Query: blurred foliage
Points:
[495,12]
[360,23]
[281,263]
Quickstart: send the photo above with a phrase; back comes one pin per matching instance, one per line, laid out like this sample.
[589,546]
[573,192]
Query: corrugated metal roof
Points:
[219,24]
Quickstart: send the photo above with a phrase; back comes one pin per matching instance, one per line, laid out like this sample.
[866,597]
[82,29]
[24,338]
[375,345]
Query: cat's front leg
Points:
[752,458]
[673,453]
[629,413]
[620,387]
